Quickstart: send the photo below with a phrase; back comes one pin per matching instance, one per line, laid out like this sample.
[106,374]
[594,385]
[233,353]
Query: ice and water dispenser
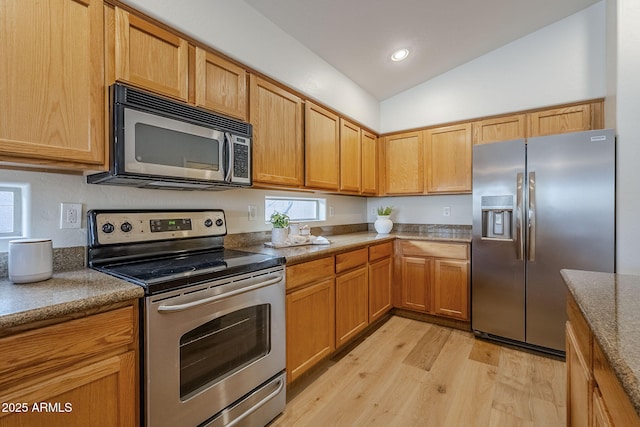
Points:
[497,214]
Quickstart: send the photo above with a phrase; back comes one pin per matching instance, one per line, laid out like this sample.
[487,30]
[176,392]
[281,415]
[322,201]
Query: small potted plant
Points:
[383,224]
[279,222]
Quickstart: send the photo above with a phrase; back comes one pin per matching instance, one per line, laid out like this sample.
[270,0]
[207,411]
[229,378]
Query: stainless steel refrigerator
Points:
[539,205]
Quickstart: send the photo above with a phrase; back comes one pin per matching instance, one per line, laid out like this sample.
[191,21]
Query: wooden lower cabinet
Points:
[595,396]
[82,372]
[380,276]
[352,304]
[310,327]
[434,278]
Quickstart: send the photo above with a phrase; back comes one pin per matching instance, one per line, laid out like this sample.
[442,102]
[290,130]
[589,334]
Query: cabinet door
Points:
[150,57]
[404,167]
[451,288]
[560,120]
[220,85]
[448,159]
[416,283]
[499,129]
[350,157]
[276,116]
[380,274]
[579,383]
[352,311]
[310,327]
[321,148]
[102,393]
[369,146]
[601,417]
[52,83]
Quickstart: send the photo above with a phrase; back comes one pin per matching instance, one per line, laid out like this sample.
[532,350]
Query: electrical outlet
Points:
[252,212]
[373,212]
[332,211]
[70,215]
[446,211]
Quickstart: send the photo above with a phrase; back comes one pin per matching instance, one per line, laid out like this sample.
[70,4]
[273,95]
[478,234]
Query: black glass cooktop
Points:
[162,274]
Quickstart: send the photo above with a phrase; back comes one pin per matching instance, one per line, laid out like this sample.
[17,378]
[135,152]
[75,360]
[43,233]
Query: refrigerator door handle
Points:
[531,229]
[519,210]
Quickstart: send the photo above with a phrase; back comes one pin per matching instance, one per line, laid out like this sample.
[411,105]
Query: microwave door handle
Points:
[228,143]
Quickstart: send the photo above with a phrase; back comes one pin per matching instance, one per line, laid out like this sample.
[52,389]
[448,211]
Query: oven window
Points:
[157,146]
[223,346]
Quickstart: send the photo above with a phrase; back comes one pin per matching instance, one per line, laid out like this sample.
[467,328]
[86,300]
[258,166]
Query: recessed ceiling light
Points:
[400,54]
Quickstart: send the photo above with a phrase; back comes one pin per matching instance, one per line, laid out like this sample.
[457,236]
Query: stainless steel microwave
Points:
[157,142]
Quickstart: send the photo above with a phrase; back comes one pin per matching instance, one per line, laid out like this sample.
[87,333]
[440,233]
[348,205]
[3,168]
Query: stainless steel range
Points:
[213,323]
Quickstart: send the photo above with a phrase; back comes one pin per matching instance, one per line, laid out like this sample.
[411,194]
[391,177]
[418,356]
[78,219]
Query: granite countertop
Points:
[609,303]
[66,292]
[344,242]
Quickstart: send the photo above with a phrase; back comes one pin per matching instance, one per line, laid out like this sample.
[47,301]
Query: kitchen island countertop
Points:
[609,303]
[345,242]
[65,293]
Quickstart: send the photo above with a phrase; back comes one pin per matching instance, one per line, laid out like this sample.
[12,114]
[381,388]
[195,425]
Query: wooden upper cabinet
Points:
[404,167]
[560,120]
[150,57]
[322,148]
[276,116]
[52,83]
[220,85]
[369,147]
[500,129]
[350,157]
[447,157]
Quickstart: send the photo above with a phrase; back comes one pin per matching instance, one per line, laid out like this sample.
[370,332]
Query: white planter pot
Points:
[383,224]
[279,235]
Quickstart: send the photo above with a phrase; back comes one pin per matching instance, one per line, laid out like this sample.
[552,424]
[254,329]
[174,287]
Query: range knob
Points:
[108,228]
[208,222]
[219,222]
[126,227]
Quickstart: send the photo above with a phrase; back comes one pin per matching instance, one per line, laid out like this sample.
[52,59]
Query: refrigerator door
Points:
[498,270]
[571,180]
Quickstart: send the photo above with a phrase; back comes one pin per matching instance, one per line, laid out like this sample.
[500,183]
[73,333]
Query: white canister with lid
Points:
[30,260]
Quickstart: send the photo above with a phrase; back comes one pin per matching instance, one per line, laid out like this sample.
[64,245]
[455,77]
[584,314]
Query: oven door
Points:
[208,346]
[159,146]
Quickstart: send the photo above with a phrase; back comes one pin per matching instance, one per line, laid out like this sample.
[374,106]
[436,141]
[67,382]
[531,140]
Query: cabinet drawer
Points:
[349,260]
[63,344]
[435,249]
[380,251]
[309,272]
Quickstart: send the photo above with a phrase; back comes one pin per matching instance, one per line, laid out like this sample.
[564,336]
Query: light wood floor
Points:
[410,373]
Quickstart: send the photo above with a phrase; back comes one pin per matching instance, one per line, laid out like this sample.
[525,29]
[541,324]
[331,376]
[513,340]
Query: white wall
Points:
[239,31]
[627,107]
[424,209]
[48,190]
[560,63]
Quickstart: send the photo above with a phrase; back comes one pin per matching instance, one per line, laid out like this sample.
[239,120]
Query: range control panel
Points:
[113,227]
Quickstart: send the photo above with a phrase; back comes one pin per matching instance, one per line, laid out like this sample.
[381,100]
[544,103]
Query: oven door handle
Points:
[193,304]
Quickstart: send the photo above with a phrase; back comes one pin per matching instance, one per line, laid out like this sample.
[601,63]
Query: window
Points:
[10,211]
[297,208]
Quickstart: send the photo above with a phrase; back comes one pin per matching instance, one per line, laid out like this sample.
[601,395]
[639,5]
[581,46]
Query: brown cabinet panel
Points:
[500,129]
[451,288]
[220,85]
[321,148]
[601,417]
[380,277]
[560,120]
[435,249]
[309,272]
[350,157]
[278,147]
[404,166]
[579,384]
[448,159]
[349,260]
[416,283]
[52,83]
[352,309]
[382,250]
[369,163]
[150,57]
[310,326]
